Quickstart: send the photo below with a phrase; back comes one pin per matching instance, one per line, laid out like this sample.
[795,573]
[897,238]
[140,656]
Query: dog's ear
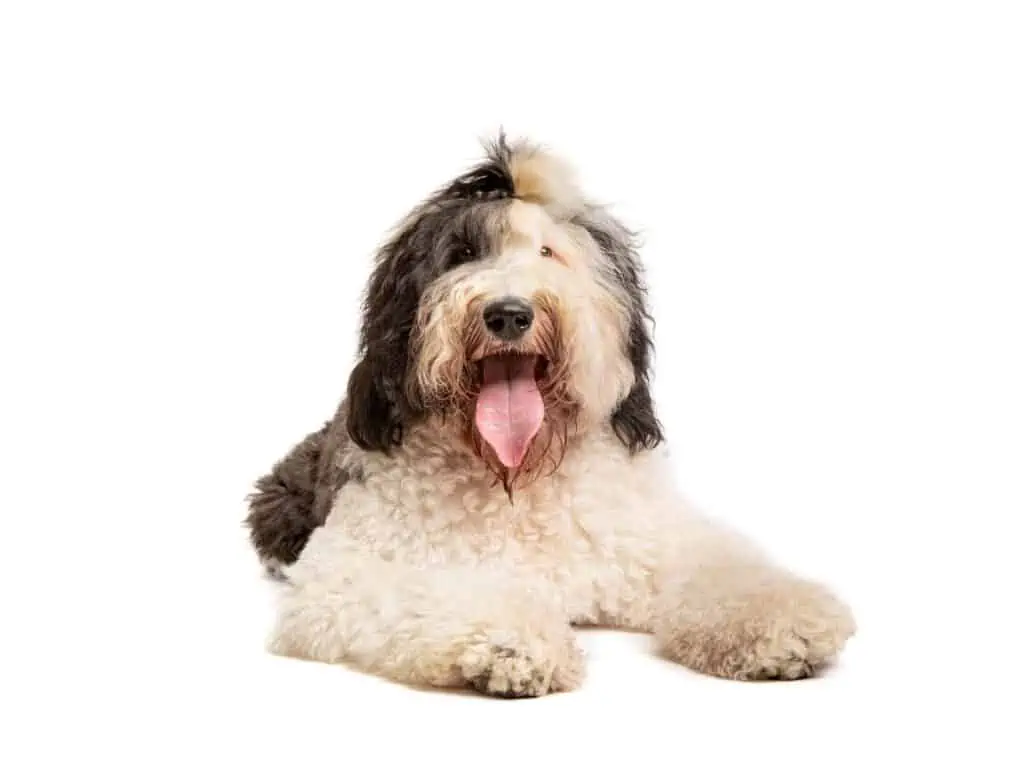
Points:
[374,413]
[379,404]
[634,421]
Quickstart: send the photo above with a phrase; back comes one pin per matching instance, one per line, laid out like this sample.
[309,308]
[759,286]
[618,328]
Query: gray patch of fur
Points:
[295,497]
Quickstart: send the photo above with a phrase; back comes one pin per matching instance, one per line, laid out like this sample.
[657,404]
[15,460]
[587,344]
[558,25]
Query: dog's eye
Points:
[460,255]
[546,252]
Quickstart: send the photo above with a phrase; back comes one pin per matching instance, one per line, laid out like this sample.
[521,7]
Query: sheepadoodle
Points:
[495,475]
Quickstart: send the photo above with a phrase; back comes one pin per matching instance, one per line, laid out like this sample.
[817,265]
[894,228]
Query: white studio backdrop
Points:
[832,206]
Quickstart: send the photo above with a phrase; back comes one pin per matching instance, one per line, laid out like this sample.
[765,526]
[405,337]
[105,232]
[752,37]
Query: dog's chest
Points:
[590,527]
[419,515]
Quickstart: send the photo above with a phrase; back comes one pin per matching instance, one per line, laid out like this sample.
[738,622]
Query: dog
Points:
[496,474]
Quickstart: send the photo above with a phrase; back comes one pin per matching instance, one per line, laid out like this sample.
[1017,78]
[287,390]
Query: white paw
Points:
[506,668]
[783,629]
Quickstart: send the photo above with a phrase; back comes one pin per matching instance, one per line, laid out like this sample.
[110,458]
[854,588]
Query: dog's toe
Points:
[508,670]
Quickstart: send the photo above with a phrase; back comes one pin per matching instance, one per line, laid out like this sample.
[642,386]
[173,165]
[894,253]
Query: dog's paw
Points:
[506,668]
[784,629]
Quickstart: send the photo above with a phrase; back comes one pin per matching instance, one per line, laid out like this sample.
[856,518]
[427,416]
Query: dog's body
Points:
[495,473]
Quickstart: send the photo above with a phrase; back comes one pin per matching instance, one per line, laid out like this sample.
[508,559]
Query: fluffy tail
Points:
[286,506]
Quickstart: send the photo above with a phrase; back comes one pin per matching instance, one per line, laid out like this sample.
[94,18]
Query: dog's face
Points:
[507,303]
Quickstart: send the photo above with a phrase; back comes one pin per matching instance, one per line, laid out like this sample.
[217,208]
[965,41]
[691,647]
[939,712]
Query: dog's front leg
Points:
[501,632]
[724,609]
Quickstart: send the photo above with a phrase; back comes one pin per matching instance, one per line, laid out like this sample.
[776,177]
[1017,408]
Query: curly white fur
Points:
[427,574]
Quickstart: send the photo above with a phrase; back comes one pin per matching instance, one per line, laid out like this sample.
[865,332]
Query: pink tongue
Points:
[509,409]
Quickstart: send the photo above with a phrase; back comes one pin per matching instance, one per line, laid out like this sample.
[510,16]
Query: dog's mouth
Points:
[509,406]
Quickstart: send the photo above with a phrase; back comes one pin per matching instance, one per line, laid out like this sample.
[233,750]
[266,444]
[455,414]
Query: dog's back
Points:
[294,498]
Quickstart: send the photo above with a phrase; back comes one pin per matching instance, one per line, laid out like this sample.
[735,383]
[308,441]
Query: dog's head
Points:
[507,302]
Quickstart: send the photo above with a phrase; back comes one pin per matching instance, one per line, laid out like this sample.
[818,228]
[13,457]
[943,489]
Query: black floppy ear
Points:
[374,404]
[379,404]
[634,420]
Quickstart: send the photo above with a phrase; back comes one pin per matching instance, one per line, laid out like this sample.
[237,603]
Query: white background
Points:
[832,200]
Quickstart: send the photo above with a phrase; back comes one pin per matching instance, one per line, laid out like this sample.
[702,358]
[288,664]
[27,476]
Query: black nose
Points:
[508,318]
